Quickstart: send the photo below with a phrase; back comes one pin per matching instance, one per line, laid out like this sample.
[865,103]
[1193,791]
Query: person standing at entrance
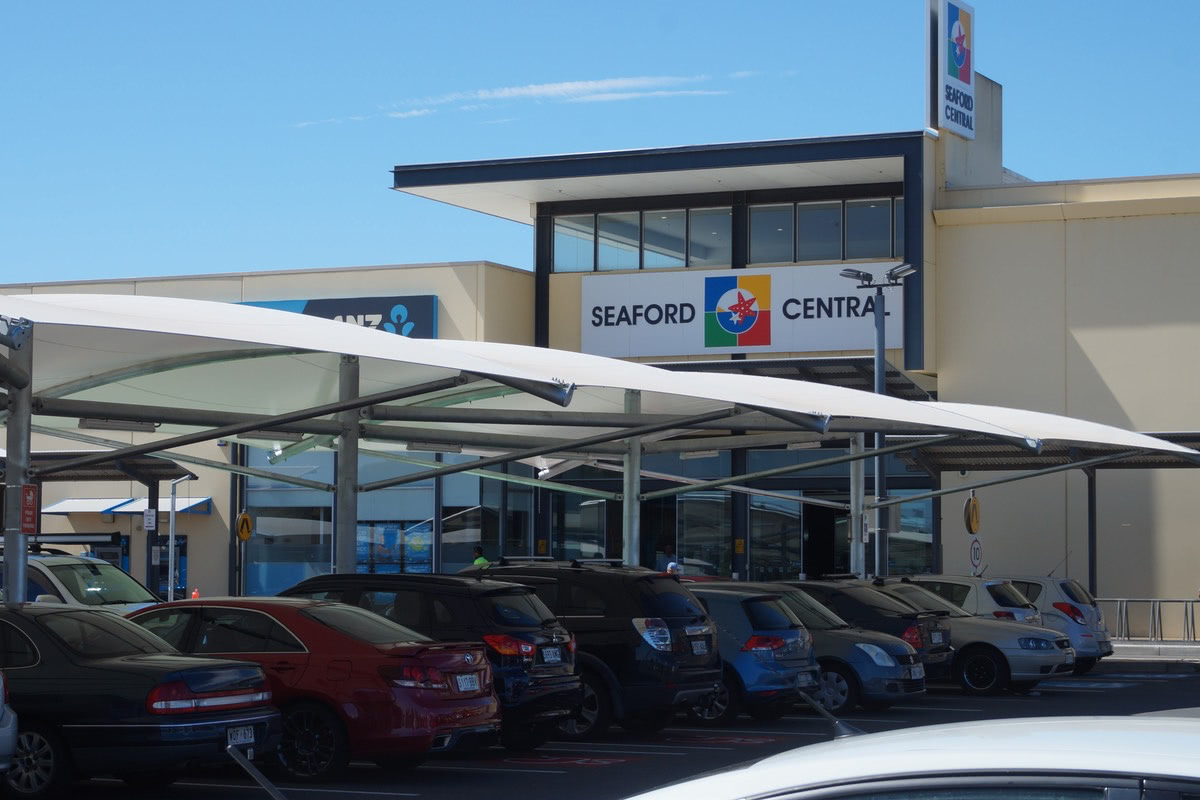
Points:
[480,560]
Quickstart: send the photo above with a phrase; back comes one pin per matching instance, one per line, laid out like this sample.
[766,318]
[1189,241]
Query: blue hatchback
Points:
[767,652]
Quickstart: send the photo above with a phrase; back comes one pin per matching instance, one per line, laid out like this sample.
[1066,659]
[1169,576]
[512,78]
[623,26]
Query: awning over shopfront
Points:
[128,505]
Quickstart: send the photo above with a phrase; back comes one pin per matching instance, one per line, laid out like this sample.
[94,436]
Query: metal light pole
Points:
[171,540]
[894,277]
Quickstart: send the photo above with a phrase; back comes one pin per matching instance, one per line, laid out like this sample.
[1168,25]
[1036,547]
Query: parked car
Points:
[95,694]
[1068,607]
[8,728]
[984,597]
[1081,758]
[532,654]
[767,654]
[991,655]
[350,683]
[856,666]
[869,608]
[56,577]
[646,646]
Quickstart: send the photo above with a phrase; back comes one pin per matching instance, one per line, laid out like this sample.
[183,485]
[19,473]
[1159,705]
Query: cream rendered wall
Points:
[1086,309]
[505,305]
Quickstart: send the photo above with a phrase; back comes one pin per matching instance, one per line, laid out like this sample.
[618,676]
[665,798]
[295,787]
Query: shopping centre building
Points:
[1075,298]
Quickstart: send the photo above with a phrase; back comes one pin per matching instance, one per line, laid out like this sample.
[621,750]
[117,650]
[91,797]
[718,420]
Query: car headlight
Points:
[1035,644]
[877,654]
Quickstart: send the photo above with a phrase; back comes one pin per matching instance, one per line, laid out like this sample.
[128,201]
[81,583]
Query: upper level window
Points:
[710,239]
[898,225]
[574,243]
[869,228]
[819,231]
[618,240]
[665,239]
[771,234]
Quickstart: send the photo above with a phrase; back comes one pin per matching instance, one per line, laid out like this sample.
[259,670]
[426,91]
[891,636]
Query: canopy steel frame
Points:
[481,439]
[91,409]
[243,427]
[1085,464]
[555,447]
[789,468]
[798,499]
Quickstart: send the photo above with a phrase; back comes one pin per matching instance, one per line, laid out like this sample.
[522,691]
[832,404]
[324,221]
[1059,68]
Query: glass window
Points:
[619,240]
[335,595]
[771,234]
[1074,590]
[100,583]
[405,607]
[442,613]
[1031,590]
[711,237]
[922,598]
[665,239]
[814,615]
[34,585]
[15,648]
[898,225]
[573,243]
[704,524]
[100,634]
[362,625]
[910,549]
[819,231]
[170,625]
[775,539]
[516,609]
[875,599]
[1006,595]
[770,615]
[956,593]
[869,228]
[580,600]
[579,526]
[664,597]
[235,630]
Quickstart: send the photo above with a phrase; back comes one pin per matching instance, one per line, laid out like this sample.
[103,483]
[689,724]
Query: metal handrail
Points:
[1154,608]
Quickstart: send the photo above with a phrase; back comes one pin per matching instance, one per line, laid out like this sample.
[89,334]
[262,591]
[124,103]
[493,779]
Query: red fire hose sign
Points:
[29,508]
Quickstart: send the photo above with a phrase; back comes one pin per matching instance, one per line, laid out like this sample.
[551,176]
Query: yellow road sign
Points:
[245,527]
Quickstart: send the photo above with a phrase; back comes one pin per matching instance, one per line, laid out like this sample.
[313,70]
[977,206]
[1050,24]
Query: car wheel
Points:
[156,779]
[314,747]
[595,711]
[1084,665]
[982,671]
[723,706]
[651,721]
[41,767]
[839,689]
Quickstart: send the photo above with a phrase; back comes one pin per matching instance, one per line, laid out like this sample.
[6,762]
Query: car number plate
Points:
[806,679]
[936,637]
[1070,656]
[916,672]
[551,655]
[241,734]
[467,683]
[699,647]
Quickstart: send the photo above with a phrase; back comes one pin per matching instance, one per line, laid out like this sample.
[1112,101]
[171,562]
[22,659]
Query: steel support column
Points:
[857,491]
[631,506]
[17,473]
[1090,474]
[881,516]
[345,534]
[151,534]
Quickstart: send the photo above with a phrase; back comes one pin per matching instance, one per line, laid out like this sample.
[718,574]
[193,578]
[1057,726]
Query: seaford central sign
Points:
[954,42]
[776,310]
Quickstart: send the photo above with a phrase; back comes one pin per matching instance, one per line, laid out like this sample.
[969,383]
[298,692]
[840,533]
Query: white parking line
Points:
[824,721]
[610,752]
[1077,685]
[933,708]
[591,746]
[493,769]
[727,732]
[289,789]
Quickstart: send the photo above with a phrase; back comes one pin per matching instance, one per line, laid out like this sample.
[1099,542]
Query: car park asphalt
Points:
[620,764]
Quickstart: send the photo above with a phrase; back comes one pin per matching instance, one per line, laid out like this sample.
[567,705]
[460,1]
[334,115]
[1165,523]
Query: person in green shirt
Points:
[479,557]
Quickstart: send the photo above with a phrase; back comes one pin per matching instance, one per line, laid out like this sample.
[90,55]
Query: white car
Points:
[1068,607]
[82,581]
[1033,758]
[982,597]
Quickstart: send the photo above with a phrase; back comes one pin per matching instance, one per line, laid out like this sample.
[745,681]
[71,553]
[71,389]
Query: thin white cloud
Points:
[562,90]
[745,73]
[416,112]
[499,121]
[612,97]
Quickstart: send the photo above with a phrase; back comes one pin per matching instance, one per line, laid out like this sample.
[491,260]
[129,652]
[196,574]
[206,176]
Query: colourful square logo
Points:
[737,311]
[958,43]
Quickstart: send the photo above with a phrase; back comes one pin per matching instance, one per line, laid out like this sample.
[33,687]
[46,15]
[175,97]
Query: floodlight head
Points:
[899,273]
[857,275]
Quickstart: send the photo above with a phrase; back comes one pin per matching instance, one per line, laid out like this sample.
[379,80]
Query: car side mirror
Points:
[47,598]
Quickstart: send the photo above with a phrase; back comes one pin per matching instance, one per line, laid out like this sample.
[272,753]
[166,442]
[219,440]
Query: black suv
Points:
[646,645]
[532,654]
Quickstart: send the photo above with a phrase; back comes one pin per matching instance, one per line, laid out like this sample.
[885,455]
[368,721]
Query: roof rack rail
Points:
[612,562]
[38,549]
[506,560]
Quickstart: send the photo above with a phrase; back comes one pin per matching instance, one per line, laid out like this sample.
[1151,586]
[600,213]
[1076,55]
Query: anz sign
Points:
[414,316]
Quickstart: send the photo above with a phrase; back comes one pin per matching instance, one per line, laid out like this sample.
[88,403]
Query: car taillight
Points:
[654,631]
[1004,615]
[413,676]
[912,635]
[509,646]
[571,644]
[1071,611]
[176,698]
[763,643]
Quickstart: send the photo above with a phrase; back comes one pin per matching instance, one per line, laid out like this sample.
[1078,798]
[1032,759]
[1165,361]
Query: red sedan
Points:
[350,683]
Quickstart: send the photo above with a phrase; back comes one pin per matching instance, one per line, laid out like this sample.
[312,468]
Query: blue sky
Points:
[163,138]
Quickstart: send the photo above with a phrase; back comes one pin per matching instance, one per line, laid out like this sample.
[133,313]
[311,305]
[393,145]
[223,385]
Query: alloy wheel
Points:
[33,767]
[309,743]
[980,672]
[718,706]
[589,711]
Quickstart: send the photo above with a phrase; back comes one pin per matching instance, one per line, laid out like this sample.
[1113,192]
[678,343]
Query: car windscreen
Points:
[101,634]
[664,597]
[1075,591]
[770,614]
[516,609]
[1007,596]
[924,599]
[877,600]
[360,624]
[815,616]
[98,583]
